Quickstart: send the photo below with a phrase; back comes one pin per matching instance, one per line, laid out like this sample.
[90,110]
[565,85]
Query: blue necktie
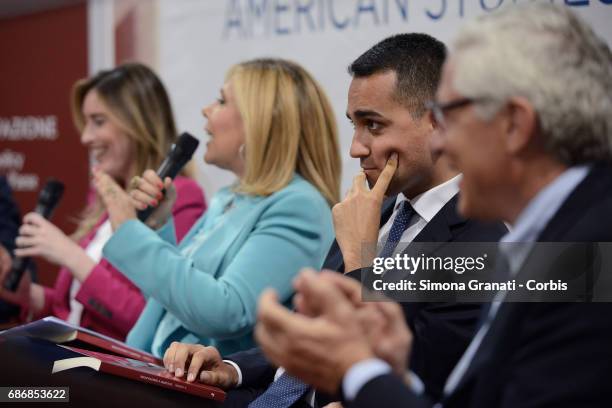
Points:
[282,393]
[400,224]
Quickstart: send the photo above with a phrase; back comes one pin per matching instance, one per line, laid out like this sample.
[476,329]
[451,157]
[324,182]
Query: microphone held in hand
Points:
[179,155]
[48,199]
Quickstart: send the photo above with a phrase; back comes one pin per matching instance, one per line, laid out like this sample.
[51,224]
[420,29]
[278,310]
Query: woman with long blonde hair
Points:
[274,128]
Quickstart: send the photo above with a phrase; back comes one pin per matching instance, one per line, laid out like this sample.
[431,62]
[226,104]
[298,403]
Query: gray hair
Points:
[548,55]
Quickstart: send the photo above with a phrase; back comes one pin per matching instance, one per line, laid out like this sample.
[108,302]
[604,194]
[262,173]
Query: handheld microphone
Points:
[180,154]
[48,199]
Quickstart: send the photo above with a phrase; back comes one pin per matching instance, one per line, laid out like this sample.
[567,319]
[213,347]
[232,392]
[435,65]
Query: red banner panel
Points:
[43,54]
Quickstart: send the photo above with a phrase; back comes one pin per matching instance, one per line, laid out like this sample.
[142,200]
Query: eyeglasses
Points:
[440,109]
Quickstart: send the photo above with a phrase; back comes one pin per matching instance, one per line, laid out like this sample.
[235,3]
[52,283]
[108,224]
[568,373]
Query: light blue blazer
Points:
[205,290]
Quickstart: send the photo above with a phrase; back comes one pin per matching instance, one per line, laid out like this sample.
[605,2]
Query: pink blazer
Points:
[111,302]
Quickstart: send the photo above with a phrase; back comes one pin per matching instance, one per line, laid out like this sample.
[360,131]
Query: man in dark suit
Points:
[390,83]
[526,158]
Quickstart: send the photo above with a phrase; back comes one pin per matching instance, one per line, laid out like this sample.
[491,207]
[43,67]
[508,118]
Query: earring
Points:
[241,151]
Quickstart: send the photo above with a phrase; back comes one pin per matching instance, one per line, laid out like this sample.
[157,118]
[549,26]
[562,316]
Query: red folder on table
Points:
[136,370]
[59,331]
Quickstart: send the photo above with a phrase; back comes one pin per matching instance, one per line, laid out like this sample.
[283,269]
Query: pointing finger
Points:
[385,176]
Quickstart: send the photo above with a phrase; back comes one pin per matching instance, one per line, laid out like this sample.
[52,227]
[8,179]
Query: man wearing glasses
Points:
[523,110]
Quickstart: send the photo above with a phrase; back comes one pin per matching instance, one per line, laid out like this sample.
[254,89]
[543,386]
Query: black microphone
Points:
[48,199]
[180,154]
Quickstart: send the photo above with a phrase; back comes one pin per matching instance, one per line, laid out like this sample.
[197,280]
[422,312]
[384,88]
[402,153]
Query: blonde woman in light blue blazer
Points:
[274,128]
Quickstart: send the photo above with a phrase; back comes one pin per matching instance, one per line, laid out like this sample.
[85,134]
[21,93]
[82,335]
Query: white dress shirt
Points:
[426,205]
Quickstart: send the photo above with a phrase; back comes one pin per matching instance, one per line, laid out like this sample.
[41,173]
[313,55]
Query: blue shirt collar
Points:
[536,215]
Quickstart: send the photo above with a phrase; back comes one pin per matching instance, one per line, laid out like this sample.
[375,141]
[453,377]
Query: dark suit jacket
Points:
[9,216]
[536,354]
[10,220]
[442,331]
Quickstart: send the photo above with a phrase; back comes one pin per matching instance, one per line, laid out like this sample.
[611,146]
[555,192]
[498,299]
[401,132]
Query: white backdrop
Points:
[200,39]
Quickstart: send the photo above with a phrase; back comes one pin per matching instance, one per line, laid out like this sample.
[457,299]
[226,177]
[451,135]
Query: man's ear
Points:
[521,126]
[430,120]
